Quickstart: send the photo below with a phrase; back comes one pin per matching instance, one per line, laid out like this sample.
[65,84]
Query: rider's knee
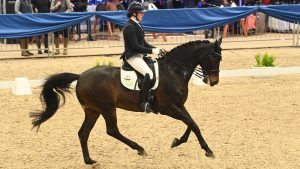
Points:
[150,75]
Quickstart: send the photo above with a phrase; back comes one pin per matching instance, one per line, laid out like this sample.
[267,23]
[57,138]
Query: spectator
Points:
[111,5]
[81,6]
[189,4]
[24,6]
[248,23]
[60,6]
[42,6]
[204,4]
[177,4]
[228,3]
[148,5]
[100,7]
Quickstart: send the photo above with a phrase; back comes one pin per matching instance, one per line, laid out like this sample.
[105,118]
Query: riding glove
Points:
[155,51]
[162,51]
[159,51]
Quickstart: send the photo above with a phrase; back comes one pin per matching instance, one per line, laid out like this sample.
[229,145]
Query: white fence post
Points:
[21,87]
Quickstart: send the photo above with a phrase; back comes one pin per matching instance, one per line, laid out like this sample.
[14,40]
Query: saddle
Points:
[131,79]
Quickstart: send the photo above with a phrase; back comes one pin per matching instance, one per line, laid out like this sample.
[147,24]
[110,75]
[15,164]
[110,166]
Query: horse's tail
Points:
[52,91]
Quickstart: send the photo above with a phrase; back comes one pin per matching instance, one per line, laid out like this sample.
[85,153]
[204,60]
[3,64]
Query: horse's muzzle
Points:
[213,83]
[211,80]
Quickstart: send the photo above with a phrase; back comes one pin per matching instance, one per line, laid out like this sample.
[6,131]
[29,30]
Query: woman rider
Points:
[136,48]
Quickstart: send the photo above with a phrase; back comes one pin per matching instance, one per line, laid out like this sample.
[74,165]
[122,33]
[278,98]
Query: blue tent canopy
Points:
[168,20]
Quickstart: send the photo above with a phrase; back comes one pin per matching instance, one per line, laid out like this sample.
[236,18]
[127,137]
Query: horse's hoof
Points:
[142,153]
[90,162]
[174,143]
[210,154]
[96,165]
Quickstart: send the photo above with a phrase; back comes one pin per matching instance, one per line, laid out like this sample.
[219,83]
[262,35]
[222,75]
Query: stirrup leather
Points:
[146,107]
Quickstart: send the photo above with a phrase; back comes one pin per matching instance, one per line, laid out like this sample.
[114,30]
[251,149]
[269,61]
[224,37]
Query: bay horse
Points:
[100,92]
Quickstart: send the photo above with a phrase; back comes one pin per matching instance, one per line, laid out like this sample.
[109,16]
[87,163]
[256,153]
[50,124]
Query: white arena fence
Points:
[22,86]
[263,31]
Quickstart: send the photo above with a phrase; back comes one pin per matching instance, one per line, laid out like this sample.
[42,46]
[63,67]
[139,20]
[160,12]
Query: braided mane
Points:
[199,43]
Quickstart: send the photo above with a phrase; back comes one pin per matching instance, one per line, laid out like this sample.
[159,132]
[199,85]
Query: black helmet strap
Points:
[135,15]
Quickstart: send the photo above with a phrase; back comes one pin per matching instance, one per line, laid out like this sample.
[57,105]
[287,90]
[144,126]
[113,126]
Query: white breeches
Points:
[138,63]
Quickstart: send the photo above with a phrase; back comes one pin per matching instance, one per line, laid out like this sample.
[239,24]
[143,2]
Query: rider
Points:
[136,49]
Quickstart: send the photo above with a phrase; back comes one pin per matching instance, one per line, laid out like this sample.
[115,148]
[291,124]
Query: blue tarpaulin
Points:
[167,20]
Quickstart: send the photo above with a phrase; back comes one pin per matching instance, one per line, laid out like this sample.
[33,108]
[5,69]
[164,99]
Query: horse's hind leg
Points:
[112,130]
[90,119]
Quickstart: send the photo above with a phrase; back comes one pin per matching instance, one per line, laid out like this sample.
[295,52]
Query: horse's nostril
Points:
[214,83]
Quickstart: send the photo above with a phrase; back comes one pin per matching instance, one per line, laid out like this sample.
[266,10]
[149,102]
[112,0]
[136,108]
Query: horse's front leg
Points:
[183,139]
[183,115]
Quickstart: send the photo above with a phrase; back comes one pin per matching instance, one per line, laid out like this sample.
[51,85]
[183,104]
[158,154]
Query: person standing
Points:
[189,4]
[111,5]
[149,5]
[177,3]
[81,6]
[228,3]
[136,49]
[61,6]
[24,6]
[42,6]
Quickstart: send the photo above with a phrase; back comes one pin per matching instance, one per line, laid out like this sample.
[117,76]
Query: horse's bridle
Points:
[199,72]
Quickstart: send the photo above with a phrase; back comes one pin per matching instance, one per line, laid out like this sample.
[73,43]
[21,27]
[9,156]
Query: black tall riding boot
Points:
[145,105]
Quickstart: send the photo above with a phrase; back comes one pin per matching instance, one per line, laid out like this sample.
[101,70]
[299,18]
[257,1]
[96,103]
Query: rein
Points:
[183,66]
[198,71]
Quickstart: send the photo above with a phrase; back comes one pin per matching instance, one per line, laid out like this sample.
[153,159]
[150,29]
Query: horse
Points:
[99,92]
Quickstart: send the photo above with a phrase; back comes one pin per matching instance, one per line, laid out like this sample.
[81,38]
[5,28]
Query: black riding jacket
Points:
[134,40]
[43,6]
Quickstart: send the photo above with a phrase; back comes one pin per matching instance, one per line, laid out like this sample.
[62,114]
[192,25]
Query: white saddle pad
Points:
[129,78]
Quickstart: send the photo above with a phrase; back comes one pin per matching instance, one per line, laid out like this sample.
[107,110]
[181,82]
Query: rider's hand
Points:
[162,51]
[155,51]
[159,51]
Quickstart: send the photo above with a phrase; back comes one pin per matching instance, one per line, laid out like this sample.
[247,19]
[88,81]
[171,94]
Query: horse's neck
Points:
[184,59]
[185,62]
[177,68]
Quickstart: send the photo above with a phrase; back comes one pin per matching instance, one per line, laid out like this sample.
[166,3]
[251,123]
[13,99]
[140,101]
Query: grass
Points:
[100,62]
[266,60]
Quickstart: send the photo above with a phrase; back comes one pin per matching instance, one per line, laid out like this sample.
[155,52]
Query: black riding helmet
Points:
[134,7]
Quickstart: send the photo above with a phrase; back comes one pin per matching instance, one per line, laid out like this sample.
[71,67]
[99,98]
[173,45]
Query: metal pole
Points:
[52,44]
[4,6]
[4,12]
[294,31]
[297,34]
[1,11]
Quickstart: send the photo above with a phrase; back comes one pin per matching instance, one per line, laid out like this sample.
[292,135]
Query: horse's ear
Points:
[218,43]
